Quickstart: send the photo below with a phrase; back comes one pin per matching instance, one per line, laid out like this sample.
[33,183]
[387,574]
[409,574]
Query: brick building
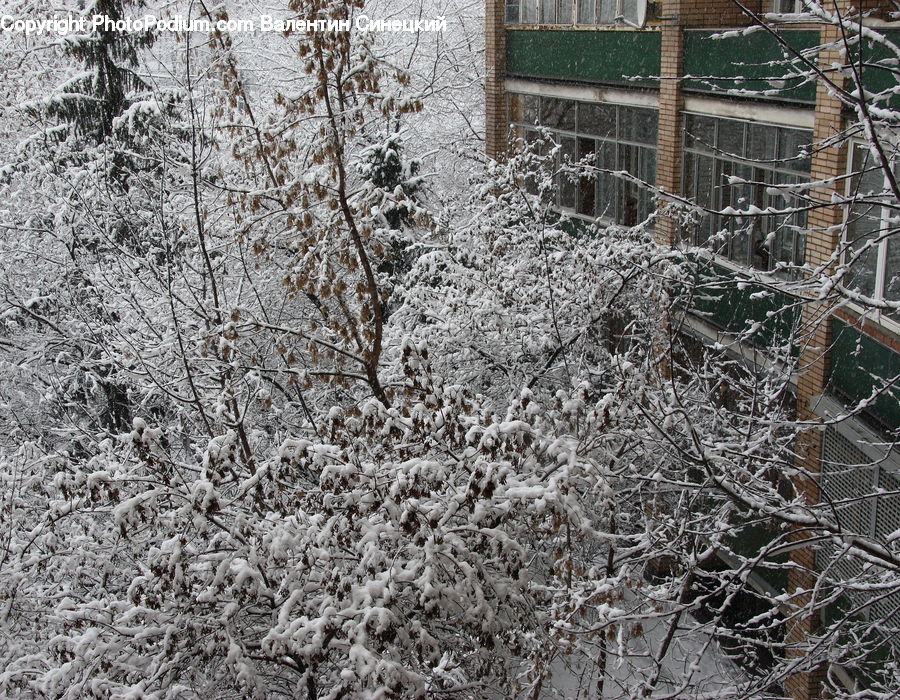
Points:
[654,89]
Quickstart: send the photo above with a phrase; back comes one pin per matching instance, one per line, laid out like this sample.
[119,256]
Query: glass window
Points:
[512,11]
[587,192]
[629,10]
[742,165]
[566,184]
[638,125]
[548,11]
[874,254]
[531,109]
[558,114]
[598,120]
[587,12]
[610,137]
[793,146]
[529,10]
[608,12]
[701,132]
[762,140]
[730,137]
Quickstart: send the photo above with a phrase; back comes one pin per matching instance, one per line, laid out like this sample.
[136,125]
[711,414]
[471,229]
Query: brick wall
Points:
[823,236]
[495,123]
[712,13]
[670,135]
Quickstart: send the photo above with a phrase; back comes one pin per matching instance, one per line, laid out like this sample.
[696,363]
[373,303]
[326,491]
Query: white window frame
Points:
[773,7]
[618,20]
[881,262]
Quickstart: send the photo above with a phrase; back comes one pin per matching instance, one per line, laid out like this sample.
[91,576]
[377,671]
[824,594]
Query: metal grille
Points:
[866,501]
[847,476]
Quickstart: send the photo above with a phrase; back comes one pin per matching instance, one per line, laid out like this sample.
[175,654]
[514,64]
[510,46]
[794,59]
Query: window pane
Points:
[647,173]
[638,125]
[629,161]
[512,12]
[587,183]
[630,11]
[762,141]
[862,273]
[531,138]
[597,120]
[587,11]
[564,12]
[730,138]
[531,109]
[529,11]
[548,11]
[864,222]
[704,195]
[790,144]
[700,132]
[606,183]
[558,114]
[892,274]
[567,187]
[607,11]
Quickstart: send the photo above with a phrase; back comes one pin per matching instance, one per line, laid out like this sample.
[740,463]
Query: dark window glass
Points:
[791,143]
[630,11]
[638,125]
[762,140]
[606,183]
[587,190]
[730,138]
[700,132]
[629,161]
[567,180]
[548,11]
[597,120]
[558,114]
[512,12]
[531,105]
[607,11]
[864,222]
[529,11]
[587,12]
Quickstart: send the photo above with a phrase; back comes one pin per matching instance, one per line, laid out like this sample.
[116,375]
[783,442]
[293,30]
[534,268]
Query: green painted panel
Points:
[609,57]
[859,365]
[737,308]
[739,64]
[877,78]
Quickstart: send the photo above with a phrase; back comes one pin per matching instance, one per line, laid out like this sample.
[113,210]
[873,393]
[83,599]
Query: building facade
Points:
[677,94]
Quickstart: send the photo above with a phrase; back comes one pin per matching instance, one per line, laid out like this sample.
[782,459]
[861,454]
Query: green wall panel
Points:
[877,78]
[731,307]
[859,364]
[739,63]
[608,57]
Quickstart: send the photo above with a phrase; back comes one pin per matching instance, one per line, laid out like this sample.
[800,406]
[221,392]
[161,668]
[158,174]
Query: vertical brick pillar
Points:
[669,139]
[495,123]
[823,236]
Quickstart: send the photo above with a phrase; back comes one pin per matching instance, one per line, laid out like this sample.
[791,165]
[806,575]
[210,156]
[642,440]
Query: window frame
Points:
[885,215]
[617,147]
[723,163]
[513,17]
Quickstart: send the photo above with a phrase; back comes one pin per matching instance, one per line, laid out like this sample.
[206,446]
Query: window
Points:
[613,137]
[742,165]
[786,6]
[581,12]
[872,230]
